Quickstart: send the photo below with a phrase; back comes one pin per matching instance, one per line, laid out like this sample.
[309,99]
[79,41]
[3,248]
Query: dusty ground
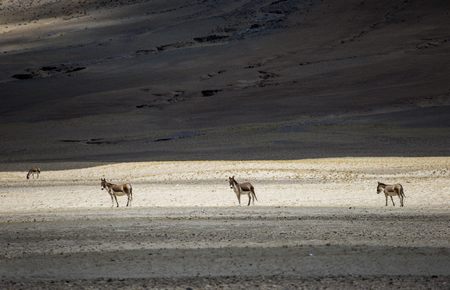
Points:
[342,182]
[317,224]
[227,247]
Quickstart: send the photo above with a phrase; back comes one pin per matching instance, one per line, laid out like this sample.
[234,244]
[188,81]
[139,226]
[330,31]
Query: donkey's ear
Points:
[232,177]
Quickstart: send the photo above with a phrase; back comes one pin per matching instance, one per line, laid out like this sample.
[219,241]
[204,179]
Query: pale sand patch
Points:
[339,182]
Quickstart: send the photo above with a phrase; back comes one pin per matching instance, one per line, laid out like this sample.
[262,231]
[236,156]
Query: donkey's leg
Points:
[401,200]
[386,198]
[128,199]
[249,199]
[392,201]
[239,198]
[115,197]
[112,200]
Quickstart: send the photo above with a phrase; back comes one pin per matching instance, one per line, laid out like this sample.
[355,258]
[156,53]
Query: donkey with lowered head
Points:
[391,190]
[33,171]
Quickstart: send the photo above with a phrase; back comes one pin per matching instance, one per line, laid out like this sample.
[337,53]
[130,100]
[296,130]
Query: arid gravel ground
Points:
[317,224]
[280,247]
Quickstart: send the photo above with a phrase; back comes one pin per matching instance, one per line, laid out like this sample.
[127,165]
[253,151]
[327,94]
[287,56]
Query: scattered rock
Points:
[213,74]
[175,45]
[432,43]
[48,71]
[209,93]
[267,75]
[70,141]
[253,65]
[145,106]
[23,76]
[93,141]
[145,51]
[100,142]
[163,139]
[179,135]
[75,69]
[211,38]
[49,68]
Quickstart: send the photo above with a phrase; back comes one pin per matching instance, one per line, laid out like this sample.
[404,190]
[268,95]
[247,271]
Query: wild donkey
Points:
[115,190]
[243,188]
[391,190]
[33,171]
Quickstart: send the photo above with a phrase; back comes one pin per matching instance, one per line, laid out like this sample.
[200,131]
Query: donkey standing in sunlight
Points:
[33,171]
[243,188]
[115,190]
[391,190]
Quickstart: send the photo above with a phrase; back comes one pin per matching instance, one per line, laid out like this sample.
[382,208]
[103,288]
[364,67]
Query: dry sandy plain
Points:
[317,99]
[317,223]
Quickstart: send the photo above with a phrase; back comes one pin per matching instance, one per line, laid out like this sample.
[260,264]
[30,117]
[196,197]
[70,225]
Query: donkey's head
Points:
[231,181]
[103,183]
[380,187]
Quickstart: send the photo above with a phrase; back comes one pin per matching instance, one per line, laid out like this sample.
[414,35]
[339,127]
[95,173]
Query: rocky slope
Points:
[245,79]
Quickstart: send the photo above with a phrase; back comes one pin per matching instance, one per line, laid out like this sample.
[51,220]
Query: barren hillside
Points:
[170,79]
